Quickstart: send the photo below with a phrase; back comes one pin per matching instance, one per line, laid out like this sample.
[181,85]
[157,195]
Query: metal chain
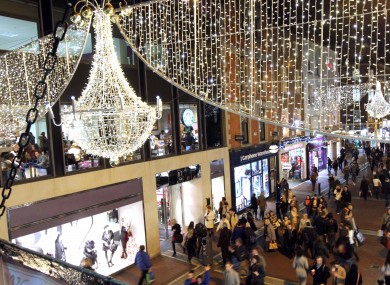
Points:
[32,114]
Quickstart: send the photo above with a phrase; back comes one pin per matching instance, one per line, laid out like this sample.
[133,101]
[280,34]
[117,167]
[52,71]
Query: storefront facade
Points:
[316,154]
[293,162]
[217,175]
[40,191]
[252,171]
[106,225]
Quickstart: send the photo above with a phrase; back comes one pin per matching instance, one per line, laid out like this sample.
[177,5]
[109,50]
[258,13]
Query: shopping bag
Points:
[359,236]
[150,277]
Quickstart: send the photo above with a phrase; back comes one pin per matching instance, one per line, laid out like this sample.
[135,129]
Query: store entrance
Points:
[170,205]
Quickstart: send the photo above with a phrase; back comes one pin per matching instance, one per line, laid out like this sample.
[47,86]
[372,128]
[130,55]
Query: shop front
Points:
[317,154]
[252,172]
[102,228]
[179,197]
[293,161]
[217,185]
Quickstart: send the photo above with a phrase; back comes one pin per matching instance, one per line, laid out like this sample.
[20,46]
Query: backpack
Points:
[200,230]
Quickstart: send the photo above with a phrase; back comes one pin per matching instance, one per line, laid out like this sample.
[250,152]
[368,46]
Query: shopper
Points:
[209,219]
[256,272]
[339,275]
[230,276]
[200,280]
[320,272]
[142,260]
[254,205]
[190,242]
[262,202]
[224,241]
[301,266]
[354,277]
[177,237]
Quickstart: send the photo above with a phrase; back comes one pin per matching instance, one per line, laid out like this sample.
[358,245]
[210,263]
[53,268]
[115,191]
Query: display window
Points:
[251,178]
[107,242]
[317,158]
[217,191]
[293,163]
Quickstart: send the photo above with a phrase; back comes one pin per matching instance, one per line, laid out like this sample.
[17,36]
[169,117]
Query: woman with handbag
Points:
[270,236]
[177,237]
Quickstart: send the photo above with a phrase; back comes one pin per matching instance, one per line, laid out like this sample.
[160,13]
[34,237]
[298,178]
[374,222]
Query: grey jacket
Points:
[231,277]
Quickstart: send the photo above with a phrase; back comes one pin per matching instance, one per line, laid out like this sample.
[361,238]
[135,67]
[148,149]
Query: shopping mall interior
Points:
[122,118]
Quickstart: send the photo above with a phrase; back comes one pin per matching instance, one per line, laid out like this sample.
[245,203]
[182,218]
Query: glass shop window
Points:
[189,128]
[35,156]
[123,51]
[213,119]
[161,142]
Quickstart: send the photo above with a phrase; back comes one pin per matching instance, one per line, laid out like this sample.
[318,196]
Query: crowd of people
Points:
[318,234]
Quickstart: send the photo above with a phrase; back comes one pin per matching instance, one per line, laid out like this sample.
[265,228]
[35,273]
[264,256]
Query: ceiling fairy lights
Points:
[108,120]
[21,69]
[268,60]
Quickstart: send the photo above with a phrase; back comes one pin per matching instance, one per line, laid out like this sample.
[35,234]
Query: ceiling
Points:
[15,33]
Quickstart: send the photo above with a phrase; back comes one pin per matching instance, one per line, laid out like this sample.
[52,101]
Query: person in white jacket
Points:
[209,218]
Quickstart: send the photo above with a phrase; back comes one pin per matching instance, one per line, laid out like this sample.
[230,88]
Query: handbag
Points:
[273,245]
[150,277]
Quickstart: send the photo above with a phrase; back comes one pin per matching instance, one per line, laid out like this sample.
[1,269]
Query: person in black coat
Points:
[320,272]
[364,187]
[346,196]
[224,242]
[254,204]
[331,230]
[290,240]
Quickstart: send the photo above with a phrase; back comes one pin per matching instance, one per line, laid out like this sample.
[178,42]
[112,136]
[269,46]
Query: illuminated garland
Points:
[265,59]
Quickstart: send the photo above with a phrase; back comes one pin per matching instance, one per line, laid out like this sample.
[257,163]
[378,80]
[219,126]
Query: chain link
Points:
[32,114]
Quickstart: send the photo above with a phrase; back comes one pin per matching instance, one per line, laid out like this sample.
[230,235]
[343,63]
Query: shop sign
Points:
[316,143]
[239,137]
[253,155]
[293,146]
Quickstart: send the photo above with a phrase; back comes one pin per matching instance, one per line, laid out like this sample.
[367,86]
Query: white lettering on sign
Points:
[253,155]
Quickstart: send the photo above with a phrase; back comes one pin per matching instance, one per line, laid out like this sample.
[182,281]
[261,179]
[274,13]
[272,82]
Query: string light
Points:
[280,62]
[22,68]
[108,120]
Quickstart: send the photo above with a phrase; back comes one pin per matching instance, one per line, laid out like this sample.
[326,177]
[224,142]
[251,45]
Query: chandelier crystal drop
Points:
[378,107]
[109,119]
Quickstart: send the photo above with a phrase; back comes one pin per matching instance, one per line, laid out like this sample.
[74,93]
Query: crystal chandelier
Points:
[22,68]
[108,120]
[378,107]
